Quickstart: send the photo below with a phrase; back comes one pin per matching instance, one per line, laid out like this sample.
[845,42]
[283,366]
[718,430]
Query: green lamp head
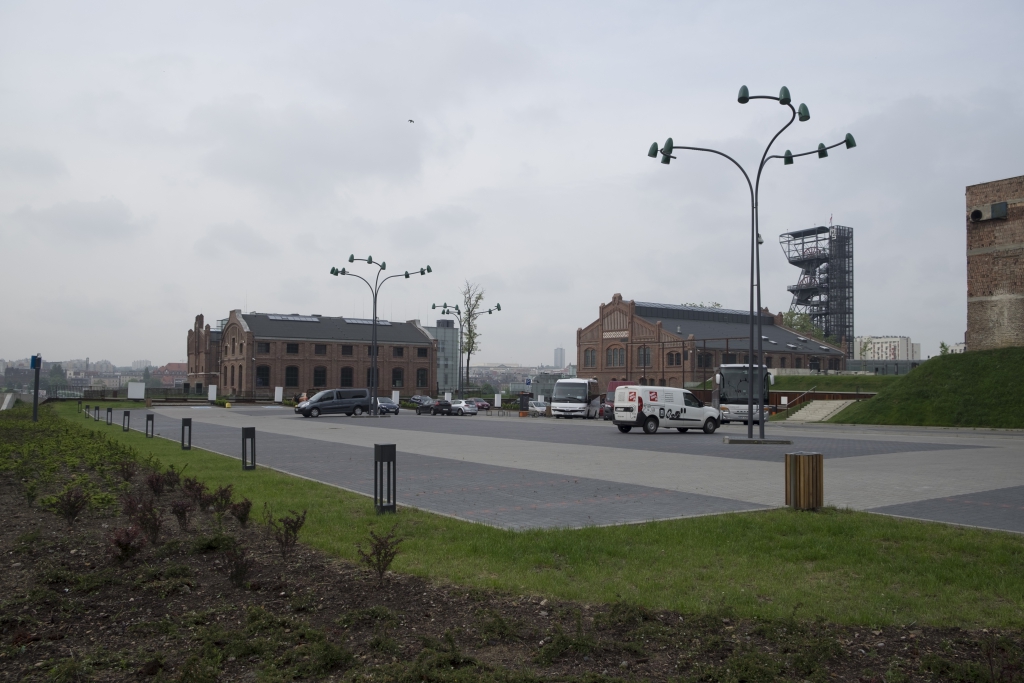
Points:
[850,142]
[784,97]
[744,95]
[803,113]
[383,265]
[787,158]
[666,153]
[343,271]
[429,270]
[334,272]
[407,275]
[653,151]
[822,152]
[498,306]
[351,258]
[369,259]
[433,307]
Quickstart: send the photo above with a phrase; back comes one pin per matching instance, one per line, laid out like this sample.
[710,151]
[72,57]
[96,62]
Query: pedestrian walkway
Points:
[818,411]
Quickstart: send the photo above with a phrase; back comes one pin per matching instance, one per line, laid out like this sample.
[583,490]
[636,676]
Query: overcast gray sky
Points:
[162,161]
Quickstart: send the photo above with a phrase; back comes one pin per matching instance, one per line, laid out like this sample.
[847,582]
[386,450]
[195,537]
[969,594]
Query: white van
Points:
[652,407]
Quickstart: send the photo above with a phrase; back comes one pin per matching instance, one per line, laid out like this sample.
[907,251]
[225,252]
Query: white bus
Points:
[575,397]
[733,391]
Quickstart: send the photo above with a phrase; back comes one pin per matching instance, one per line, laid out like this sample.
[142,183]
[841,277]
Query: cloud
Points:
[23,163]
[106,221]
[232,239]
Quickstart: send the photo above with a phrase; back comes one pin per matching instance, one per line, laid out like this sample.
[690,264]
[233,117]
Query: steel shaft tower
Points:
[824,291]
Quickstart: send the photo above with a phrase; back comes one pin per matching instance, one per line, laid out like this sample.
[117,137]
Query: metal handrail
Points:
[788,404]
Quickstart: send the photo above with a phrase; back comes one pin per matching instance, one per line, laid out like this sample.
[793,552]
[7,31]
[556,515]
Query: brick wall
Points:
[995,267]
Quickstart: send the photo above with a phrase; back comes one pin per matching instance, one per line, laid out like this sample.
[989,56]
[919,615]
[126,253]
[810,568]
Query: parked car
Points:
[650,407]
[467,407]
[480,403]
[386,406]
[419,398]
[434,406]
[335,401]
[538,408]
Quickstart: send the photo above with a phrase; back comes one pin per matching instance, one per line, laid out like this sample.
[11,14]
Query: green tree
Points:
[487,390]
[865,346]
[472,297]
[57,374]
[801,322]
[943,348]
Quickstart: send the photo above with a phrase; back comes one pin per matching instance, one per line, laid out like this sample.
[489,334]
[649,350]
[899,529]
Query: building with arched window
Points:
[252,353]
[676,345]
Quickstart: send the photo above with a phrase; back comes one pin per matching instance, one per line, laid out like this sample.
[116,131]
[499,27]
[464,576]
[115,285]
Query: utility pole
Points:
[37,362]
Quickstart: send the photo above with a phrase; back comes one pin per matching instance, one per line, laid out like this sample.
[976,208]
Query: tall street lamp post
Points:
[754,382]
[374,290]
[462,317]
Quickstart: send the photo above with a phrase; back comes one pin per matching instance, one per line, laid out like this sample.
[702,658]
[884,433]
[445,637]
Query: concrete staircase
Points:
[818,411]
[7,401]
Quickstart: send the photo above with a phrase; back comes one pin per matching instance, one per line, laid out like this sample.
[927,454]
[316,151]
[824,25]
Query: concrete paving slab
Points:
[996,509]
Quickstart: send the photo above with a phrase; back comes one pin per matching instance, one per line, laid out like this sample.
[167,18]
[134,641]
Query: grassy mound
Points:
[978,389]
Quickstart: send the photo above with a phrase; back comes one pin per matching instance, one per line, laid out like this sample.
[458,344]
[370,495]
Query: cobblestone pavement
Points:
[546,473]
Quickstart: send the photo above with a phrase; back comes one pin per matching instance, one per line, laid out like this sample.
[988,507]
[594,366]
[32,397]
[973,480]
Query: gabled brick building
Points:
[306,353]
[670,345]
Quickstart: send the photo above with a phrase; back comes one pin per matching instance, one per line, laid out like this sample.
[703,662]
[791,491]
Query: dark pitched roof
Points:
[320,328]
[717,323]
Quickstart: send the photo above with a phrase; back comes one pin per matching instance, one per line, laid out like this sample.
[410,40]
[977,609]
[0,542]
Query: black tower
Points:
[825,288]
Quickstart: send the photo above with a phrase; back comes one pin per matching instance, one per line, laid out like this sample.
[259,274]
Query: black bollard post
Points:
[96,414]
[186,422]
[385,477]
[150,425]
[126,421]
[87,411]
[110,416]
[248,448]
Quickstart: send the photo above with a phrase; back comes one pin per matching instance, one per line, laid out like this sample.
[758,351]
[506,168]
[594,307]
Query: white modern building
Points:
[885,348]
[140,364]
[959,347]
[447,336]
[559,357]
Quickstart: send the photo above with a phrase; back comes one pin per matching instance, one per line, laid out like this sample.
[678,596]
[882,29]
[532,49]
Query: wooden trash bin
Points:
[805,481]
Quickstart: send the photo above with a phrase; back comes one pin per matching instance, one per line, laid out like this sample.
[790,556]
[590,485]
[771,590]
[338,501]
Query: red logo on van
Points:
[654,396]
[632,396]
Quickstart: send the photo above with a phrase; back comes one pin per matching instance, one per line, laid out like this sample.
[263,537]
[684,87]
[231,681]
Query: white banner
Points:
[394,397]
[278,394]
[213,392]
[136,390]
[448,396]
[497,401]
[540,398]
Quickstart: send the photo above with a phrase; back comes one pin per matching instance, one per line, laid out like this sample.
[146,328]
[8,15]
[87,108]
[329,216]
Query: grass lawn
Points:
[847,567]
[976,389]
[865,383]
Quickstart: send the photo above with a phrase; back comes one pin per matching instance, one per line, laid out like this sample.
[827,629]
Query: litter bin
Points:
[805,481]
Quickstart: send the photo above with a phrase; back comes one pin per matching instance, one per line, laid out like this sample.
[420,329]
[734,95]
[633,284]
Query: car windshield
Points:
[570,393]
[323,396]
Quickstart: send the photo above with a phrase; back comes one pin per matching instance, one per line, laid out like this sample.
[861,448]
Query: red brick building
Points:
[995,264]
[257,352]
[669,345]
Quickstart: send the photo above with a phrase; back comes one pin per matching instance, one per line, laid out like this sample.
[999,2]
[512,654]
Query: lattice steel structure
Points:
[824,291]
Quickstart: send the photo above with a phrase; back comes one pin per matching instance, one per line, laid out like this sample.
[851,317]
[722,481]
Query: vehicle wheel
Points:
[682,430]
[461,413]
[650,425]
[433,412]
[396,411]
[624,429]
[304,415]
[358,411]
[315,412]
[710,426]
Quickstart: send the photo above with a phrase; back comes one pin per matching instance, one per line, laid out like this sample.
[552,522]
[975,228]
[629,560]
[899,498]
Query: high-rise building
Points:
[559,357]
[140,364]
[886,348]
[447,336]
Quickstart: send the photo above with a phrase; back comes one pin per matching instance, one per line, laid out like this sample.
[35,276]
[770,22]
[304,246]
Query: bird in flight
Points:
[411,121]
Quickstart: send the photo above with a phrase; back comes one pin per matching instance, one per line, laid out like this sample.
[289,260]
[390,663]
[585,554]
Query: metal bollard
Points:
[96,414]
[87,411]
[385,479]
[248,454]
[186,422]
[126,421]
[79,405]
[150,425]
[110,416]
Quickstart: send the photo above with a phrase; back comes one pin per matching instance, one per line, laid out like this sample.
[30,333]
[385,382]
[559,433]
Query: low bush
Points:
[156,483]
[238,565]
[150,520]
[126,543]
[70,503]
[240,511]
[128,468]
[182,511]
[382,552]
[285,530]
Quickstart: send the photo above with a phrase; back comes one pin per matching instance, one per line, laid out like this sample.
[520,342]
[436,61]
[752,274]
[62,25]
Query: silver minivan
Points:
[336,401]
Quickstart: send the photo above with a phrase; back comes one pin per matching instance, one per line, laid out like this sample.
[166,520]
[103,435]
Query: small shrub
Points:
[220,500]
[70,670]
[209,544]
[383,550]
[285,530]
[103,501]
[149,519]
[238,565]
[130,503]
[126,543]
[172,477]
[70,503]
[182,511]
[128,468]
[193,488]
[30,489]
[241,510]
[155,482]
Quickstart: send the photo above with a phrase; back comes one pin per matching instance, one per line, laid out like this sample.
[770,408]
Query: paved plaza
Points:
[521,473]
